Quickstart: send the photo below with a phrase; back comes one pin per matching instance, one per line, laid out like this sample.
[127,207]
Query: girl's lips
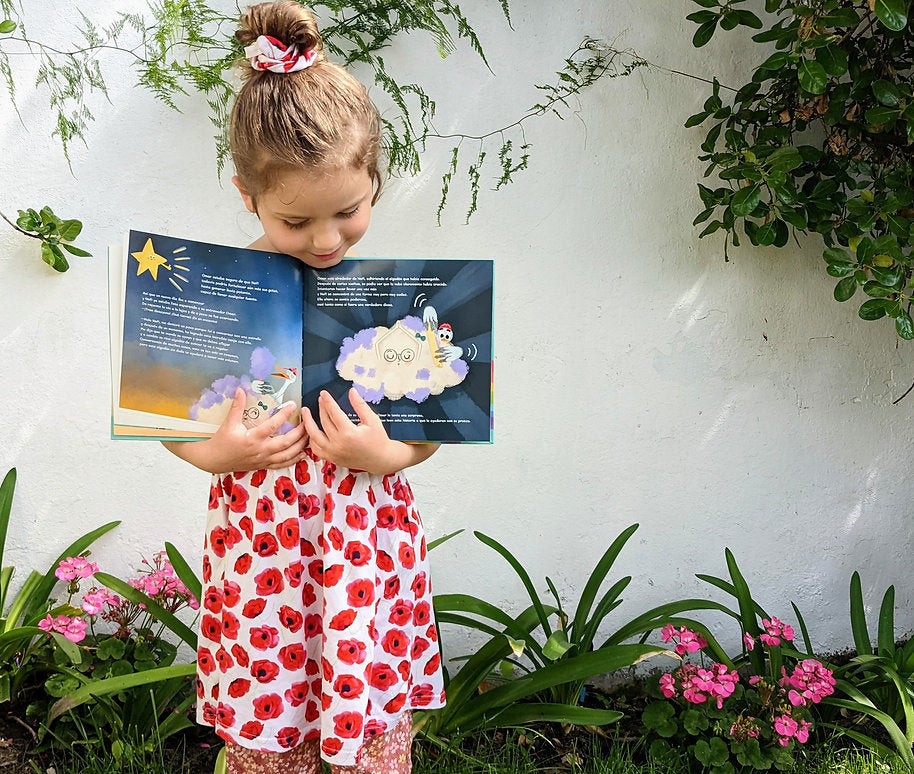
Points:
[326,256]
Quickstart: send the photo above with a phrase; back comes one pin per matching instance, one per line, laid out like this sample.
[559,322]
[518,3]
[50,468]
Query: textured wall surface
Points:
[640,377]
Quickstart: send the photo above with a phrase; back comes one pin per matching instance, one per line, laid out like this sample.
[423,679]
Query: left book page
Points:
[192,321]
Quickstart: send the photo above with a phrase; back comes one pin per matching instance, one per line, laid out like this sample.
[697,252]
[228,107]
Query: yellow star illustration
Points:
[149,261]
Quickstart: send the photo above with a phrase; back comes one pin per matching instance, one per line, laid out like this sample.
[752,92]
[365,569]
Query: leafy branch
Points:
[54,234]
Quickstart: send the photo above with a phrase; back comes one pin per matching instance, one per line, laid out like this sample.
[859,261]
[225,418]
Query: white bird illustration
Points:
[263,387]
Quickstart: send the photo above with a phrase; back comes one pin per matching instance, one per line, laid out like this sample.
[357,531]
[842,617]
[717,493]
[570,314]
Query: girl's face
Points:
[315,216]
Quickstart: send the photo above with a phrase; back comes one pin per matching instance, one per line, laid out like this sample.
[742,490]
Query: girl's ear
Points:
[245,196]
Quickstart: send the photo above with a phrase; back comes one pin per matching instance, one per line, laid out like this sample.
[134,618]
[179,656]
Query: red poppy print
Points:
[407,557]
[209,713]
[419,585]
[391,587]
[207,569]
[293,574]
[257,478]
[292,656]
[328,508]
[205,661]
[336,538]
[360,593]
[346,485]
[241,656]
[347,725]
[402,492]
[356,516]
[407,523]
[251,730]
[211,628]
[245,525]
[288,534]
[385,563]
[285,490]
[253,607]
[357,553]
[382,676]
[308,506]
[288,737]
[395,642]
[264,671]
[387,516]
[341,621]
[331,746]
[243,564]
[290,619]
[269,581]
[297,693]
[348,686]
[264,512]
[238,499]
[351,651]
[332,575]
[314,625]
[395,704]
[230,625]
[239,687]
[225,715]
[372,497]
[214,495]
[231,593]
[225,660]
[264,637]
[212,600]
[217,541]
[312,713]
[422,695]
[433,665]
[419,647]
[375,727]
[328,470]
[265,544]
[308,597]
[401,613]
[302,475]
[422,613]
[268,706]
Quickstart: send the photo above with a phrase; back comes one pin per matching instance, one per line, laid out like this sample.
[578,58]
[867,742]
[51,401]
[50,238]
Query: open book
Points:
[191,321]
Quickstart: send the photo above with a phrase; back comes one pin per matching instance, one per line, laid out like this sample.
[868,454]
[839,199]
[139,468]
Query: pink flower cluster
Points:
[775,631]
[94,601]
[686,641]
[74,567]
[73,628]
[787,728]
[697,685]
[161,584]
[809,682]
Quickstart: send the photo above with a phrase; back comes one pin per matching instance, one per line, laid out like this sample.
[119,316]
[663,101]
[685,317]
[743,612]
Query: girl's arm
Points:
[236,447]
[363,446]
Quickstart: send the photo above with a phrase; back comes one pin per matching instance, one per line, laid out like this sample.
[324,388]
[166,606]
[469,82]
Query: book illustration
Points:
[413,359]
[264,399]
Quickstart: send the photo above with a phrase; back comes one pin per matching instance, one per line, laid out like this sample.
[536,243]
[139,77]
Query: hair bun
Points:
[286,20]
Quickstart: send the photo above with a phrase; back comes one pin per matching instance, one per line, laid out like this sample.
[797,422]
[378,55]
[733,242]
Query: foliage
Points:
[726,724]
[878,683]
[181,47]
[28,652]
[819,141]
[134,692]
[555,651]
[53,233]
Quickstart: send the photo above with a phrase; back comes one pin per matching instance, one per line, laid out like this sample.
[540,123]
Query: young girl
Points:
[317,637]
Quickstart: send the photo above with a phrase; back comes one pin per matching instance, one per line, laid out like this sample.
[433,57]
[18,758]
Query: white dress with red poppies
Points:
[317,619]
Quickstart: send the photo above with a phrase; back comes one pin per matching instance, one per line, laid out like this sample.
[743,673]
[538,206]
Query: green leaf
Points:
[841,17]
[845,289]
[874,309]
[69,230]
[185,574]
[660,716]
[700,17]
[431,544]
[749,19]
[882,116]
[556,646]
[836,255]
[885,636]
[60,685]
[833,60]
[776,61]
[77,251]
[892,13]
[812,76]
[784,159]
[704,33]
[7,26]
[531,712]
[904,326]
[886,92]
[697,119]
[840,269]
[694,722]
[110,648]
[766,234]
[746,200]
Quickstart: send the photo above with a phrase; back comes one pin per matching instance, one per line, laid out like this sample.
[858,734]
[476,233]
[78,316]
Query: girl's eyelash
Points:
[300,224]
[303,223]
[349,214]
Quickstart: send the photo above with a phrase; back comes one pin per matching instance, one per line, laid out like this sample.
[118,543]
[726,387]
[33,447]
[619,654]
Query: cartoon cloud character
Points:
[397,362]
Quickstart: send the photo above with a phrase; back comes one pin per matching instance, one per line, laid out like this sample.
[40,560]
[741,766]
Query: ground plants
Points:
[819,141]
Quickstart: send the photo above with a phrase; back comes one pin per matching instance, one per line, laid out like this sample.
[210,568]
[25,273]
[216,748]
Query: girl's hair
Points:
[317,118]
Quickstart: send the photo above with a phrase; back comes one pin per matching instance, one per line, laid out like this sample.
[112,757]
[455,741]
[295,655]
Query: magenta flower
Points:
[74,567]
[810,681]
[775,631]
[74,629]
[686,640]
[749,641]
[94,601]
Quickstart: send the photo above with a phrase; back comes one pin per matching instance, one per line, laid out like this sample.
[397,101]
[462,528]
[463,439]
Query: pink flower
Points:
[74,629]
[74,567]
[687,641]
[748,641]
[668,686]
[809,682]
[775,631]
[94,601]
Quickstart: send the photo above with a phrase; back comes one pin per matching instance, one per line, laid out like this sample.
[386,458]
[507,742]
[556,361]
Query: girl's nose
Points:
[325,238]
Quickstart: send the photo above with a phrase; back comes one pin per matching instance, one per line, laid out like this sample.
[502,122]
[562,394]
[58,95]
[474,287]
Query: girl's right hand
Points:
[236,447]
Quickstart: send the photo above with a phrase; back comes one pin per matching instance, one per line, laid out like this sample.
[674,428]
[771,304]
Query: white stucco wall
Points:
[640,378]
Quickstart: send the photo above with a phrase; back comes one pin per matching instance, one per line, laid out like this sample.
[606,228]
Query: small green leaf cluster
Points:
[54,234]
[820,141]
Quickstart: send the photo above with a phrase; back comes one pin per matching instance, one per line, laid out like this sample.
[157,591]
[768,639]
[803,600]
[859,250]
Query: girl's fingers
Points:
[333,418]
[236,410]
[362,409]
[314,432]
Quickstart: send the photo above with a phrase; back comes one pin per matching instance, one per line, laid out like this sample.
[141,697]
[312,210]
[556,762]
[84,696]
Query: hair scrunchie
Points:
[268,53]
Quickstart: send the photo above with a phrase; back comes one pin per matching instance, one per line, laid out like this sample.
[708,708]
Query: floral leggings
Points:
[388,753]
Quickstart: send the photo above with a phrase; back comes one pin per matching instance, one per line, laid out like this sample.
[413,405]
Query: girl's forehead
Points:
[329,188]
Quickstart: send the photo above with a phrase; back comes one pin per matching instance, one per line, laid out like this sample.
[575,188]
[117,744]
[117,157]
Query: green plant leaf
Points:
[812,76]
[77,251]
[885,630]
[6,503]
[845,289]
[704,33]
[747,609]
[7,26]
[185,574]
[833,60]
[745,200]
[874,309]
[858,617]
[904,325]
[892,13]
[443,539]
[886,92]
[882,116]
[556,646]
[660,716]
[69,230]
[530,712]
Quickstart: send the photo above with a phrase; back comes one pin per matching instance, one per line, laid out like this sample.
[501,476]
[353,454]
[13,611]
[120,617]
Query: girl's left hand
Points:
[364,446]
